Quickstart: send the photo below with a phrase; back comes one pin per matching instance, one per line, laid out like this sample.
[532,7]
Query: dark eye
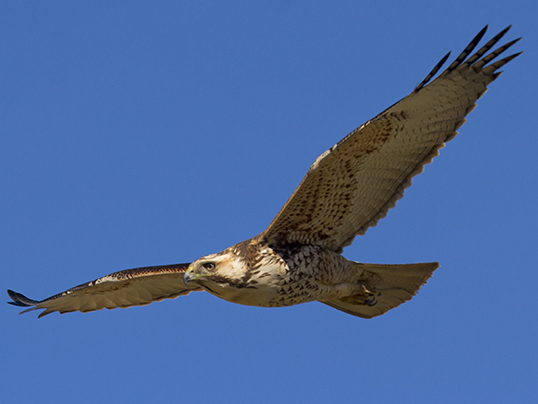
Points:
[210,266]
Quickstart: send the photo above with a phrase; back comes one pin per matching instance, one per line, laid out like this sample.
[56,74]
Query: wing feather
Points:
[350,187]
[132,287]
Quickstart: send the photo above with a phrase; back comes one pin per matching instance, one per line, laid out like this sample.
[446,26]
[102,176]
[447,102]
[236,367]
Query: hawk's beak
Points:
[189,276]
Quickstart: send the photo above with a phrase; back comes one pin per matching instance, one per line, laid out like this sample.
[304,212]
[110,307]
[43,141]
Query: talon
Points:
[372,301]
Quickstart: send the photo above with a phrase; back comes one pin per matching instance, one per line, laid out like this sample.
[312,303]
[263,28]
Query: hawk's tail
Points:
[386,287]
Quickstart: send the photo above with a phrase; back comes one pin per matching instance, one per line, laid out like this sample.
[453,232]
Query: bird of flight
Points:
[348,189]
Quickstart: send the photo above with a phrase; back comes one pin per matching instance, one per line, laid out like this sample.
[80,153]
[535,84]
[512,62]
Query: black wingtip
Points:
[478,61]
[433,72]
[20,300]
[481,34]
[504,31]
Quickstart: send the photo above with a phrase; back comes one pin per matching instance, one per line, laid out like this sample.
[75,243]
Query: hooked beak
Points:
[189,276]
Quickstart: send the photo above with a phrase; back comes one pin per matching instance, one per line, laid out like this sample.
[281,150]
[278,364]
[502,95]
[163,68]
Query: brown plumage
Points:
[348,189]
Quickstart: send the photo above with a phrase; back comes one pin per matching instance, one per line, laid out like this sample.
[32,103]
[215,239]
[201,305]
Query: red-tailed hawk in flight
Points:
[351,186]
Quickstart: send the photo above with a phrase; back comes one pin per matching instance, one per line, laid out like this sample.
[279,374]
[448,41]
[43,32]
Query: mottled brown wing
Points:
[355,183]
[132,287]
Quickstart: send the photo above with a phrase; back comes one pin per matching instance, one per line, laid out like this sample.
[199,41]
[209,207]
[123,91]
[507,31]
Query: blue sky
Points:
[136,134]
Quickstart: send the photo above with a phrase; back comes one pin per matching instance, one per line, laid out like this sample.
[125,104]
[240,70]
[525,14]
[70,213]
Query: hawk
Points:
[347,190]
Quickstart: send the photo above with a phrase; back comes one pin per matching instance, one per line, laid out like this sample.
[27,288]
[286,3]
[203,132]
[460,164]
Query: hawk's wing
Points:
[354,184]
[132,287]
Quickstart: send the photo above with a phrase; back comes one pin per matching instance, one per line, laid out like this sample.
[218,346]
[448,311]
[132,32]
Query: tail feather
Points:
[386,287]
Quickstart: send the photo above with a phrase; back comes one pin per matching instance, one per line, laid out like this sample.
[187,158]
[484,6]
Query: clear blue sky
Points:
[135,133]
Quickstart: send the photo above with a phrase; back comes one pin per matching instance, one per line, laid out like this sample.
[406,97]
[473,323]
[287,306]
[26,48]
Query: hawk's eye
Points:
[210,266]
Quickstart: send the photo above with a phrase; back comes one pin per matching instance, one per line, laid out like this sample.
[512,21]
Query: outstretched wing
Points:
[355,183]
[132,287]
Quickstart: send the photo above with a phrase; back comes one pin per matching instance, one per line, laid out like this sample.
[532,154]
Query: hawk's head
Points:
[223,268]
[241,274]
